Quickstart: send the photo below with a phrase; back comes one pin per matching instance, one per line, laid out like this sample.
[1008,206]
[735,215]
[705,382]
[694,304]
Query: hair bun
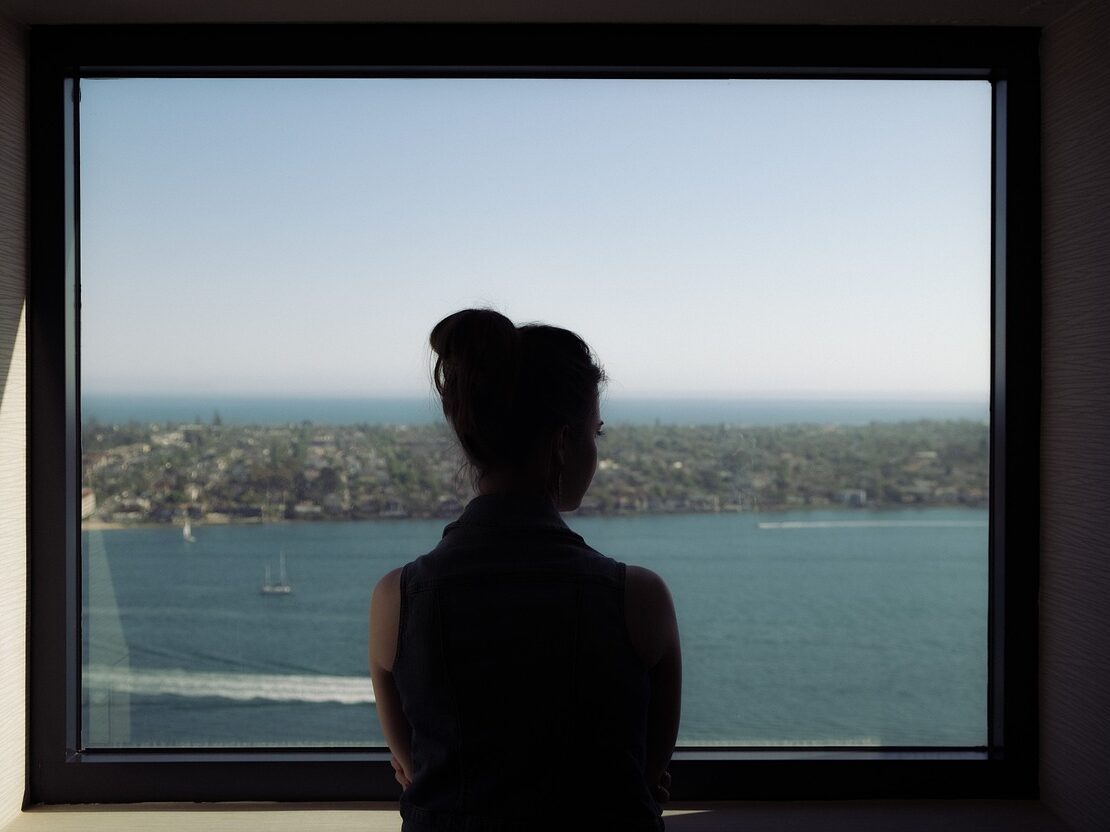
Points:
[475,376]
[473,334]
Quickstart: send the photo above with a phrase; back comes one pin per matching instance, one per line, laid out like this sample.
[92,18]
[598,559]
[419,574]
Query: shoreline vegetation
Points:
[144,474]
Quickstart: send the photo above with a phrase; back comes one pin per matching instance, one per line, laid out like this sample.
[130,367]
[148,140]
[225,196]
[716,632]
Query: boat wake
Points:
[875,524]
[346,690]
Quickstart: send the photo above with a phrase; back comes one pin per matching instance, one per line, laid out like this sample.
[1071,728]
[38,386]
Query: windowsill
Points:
[827,816]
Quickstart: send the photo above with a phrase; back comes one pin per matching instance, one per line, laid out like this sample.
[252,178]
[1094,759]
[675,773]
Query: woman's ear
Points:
[558,451]
[556,460]
[562,437]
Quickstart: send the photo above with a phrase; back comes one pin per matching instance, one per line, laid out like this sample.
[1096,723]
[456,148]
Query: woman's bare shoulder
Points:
[390,582]
[385,612]
[649,614]
[645,585]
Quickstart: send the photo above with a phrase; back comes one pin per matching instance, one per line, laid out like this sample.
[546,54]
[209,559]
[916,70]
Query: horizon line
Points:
[867,395]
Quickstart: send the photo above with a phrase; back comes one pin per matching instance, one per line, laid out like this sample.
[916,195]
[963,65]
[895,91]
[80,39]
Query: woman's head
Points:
[522,400]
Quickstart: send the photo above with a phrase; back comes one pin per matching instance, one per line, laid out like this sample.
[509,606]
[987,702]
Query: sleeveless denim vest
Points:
[527,703]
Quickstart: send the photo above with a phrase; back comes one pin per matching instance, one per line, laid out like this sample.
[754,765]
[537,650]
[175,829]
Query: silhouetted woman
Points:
[523,680]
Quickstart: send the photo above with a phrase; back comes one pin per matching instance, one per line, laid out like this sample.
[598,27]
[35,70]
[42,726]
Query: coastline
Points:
[112,525]
[118,525]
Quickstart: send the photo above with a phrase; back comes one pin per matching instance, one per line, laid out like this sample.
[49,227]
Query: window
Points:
[89,745]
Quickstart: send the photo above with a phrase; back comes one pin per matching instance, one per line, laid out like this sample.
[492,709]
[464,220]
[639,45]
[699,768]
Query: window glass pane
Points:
[788,282]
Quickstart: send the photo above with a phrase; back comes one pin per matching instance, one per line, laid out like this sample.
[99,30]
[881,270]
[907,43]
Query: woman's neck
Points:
[514,484]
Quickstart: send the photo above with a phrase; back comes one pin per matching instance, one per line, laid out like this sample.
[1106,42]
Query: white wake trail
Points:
[874,524]
[346,690]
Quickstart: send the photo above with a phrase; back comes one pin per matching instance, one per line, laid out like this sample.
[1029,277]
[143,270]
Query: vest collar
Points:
[509,512]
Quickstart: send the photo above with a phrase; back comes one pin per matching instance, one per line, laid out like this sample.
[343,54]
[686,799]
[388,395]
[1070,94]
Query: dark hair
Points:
[506,389]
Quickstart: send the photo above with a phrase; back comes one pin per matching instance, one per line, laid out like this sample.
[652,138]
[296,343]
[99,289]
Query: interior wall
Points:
[13,392]
[1075,638]
[1075,546]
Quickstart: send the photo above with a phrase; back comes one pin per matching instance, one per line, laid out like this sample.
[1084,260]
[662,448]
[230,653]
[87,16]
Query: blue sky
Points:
[720,238]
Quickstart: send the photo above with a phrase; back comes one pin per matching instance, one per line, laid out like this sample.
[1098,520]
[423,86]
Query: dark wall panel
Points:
[1075,558]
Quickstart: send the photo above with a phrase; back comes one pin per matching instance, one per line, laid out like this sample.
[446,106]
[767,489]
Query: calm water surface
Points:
[805,627]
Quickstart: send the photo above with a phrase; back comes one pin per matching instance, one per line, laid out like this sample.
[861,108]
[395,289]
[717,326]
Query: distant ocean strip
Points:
[113,409]
[346,690]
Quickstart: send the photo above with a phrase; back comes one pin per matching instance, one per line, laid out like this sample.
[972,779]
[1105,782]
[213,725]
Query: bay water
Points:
[834,627]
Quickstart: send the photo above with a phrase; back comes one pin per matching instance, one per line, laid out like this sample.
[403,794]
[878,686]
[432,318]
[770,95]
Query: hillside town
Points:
[217,473]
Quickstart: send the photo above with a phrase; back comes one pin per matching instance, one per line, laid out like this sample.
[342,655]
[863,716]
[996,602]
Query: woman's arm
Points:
[385,614]
[653,630]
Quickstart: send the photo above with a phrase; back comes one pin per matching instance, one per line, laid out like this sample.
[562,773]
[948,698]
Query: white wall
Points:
[13,491]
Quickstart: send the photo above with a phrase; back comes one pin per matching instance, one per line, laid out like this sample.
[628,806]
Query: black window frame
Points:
[61,772]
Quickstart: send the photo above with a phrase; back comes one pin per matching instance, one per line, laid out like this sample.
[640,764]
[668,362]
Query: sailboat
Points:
[187,533]
[282,587]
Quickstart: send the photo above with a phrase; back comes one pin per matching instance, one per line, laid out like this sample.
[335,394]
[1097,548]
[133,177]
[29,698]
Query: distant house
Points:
[334,504]
[394,508]
[239,512]
[88,503]
[855,497]
[307,511]
[134,505]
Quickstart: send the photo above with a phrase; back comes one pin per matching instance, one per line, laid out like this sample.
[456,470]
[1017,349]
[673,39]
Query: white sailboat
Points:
[282,587]
[187,532]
